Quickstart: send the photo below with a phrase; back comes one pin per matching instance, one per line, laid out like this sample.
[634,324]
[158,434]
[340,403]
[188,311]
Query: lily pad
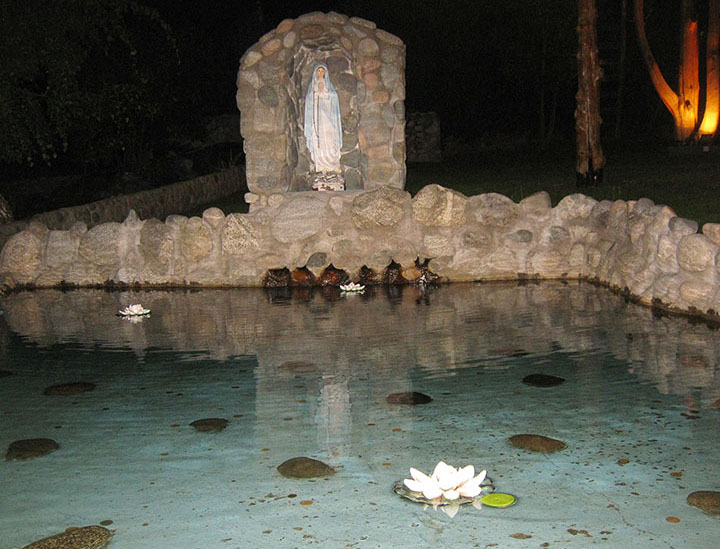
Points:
[707,501]
[30,448]
[543,380]
[498,499]
[87,537]
[304,467]
[537,443]
[73,388]
[210,424]
[410,398]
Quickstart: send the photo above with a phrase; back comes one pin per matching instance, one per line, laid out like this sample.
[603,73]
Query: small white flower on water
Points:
[352,287]
[446,482]
[134,310]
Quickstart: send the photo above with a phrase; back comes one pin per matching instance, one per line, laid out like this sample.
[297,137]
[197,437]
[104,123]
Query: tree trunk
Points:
[689,74]
[712,85]
[590,158]
[682,105]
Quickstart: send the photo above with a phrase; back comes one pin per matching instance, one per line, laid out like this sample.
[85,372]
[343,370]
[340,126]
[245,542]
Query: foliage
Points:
[85,81]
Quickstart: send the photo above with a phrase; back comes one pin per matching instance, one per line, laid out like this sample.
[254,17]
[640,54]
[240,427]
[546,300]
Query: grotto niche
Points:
[366,69]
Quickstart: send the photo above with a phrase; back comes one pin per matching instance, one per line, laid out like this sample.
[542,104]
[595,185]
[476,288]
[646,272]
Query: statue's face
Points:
[321,72]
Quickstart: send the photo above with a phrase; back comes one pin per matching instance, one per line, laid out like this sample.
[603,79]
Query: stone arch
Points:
[366,66]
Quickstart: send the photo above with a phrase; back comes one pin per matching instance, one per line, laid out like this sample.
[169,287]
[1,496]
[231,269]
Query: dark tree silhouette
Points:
[82,80]
[590,158]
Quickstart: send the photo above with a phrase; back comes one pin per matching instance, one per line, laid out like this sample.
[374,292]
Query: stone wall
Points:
[367,68]
[161,202]
[638,247]
[422,137]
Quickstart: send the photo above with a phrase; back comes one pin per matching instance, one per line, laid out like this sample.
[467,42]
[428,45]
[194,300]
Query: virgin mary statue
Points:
[323,130]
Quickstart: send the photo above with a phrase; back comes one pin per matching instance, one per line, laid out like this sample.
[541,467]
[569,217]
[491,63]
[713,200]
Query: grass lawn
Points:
[686,179]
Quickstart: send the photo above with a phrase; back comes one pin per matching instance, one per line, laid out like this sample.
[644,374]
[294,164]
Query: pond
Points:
[308,373]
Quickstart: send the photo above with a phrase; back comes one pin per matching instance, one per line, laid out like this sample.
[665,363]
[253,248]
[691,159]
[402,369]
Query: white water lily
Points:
[446,482]
[134,310]
[352,287]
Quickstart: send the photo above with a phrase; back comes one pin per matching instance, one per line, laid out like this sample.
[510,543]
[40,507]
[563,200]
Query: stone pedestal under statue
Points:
[332,181]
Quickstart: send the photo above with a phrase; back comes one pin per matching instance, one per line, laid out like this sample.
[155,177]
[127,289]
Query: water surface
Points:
[307,373]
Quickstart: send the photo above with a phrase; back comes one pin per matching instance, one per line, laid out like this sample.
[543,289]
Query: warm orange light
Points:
[709,123]
[685,104]
[688,95]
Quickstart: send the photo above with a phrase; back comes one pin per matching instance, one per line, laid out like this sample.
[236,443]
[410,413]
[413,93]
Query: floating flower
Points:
[352,287]
[134,310]
[446,483]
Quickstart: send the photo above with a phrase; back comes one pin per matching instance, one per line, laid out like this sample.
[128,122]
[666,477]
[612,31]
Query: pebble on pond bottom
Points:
[210,424]
[87,537]
[411,398]
[304,467]
[543,380]
[537,443]
[29,448]
[707,501]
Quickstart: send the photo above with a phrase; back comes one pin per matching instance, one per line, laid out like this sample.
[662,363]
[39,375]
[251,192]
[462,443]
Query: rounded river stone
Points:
[210,424]
[304,467]
[707,501]
[72,388]
[543,380]
[87,537]
[411,397]
[30,448]
[537,443]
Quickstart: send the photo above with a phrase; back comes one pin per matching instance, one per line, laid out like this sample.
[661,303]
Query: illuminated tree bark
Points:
[590,158]
[685,104]
[712,87]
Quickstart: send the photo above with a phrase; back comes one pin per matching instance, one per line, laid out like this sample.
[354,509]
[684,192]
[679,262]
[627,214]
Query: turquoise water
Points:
[307,373]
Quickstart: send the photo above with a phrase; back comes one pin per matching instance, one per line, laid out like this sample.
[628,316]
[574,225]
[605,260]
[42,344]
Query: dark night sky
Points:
[476,62]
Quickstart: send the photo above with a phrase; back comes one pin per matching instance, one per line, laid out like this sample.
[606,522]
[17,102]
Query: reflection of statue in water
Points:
[333,417]
[323,131]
